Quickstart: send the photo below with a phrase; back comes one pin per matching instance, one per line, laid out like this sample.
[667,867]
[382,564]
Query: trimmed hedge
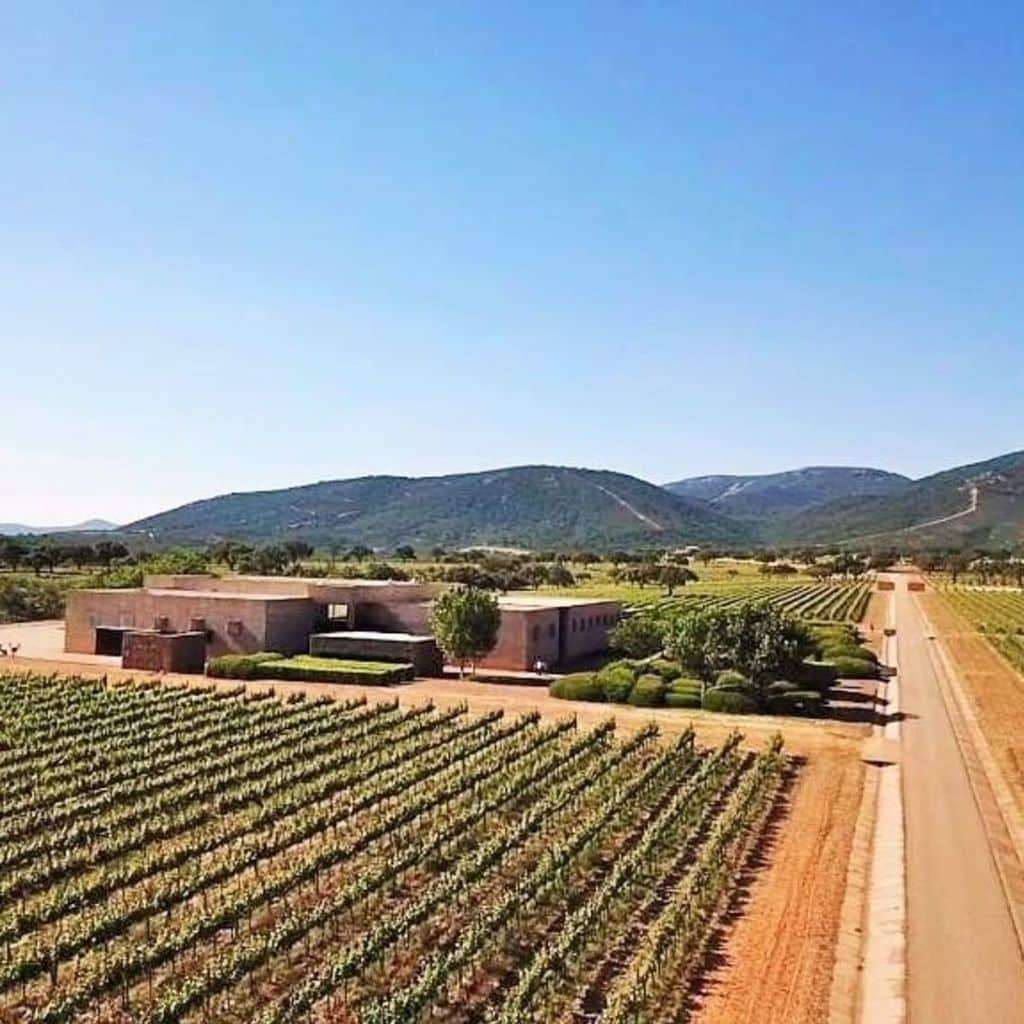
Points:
[616,682]
[667,670]
[730,702]
[818,675]
[648,692]
[855,668]
[781,686]
[731,681]
[241,666]
[831,653]
[686,686]
[730,677]
[682,700]
[579,686]
[306,668]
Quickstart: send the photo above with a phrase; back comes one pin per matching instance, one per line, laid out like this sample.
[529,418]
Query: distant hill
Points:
[89,526]
[532,506]
[765,500]
[980,505]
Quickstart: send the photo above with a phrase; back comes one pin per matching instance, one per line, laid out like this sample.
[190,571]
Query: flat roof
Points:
[330,581]
[528,601]
[224,595]
[369,634]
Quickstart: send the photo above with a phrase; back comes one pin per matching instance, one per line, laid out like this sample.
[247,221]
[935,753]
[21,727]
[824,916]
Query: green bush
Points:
[307,668]
[616,682]
[649,692]
[818,675]
[667,670]
[855,668]
[831,653]
[732,681]
[241,666]
[639,635]
[808,703]
[686,686]
[623,663]
[27,599]
[578,686]
[682,700]
[729,701]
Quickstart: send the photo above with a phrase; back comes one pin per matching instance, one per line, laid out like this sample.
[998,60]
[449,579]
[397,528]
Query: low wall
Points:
[164,652]
[420,651]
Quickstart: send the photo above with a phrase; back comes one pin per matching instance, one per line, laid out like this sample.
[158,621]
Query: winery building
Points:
[175,622]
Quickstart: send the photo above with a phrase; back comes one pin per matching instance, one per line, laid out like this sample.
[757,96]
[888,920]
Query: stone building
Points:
[245,614]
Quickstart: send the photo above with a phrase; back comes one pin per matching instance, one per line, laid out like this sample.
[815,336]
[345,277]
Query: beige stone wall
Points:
[235,625]
[165,652]
[587,626]
[289,624]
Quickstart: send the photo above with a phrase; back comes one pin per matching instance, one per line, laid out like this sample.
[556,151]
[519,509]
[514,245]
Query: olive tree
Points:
[755,639]
[465,623]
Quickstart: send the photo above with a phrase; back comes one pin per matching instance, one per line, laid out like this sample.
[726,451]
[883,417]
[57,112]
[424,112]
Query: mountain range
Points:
[980,505]
[535,506]
[89,526]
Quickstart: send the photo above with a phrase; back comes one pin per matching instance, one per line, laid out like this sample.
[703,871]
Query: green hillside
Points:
[535,506]
[765,500]
[976,506]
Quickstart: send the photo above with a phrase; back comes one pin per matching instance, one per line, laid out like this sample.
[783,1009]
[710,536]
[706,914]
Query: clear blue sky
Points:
[269,243]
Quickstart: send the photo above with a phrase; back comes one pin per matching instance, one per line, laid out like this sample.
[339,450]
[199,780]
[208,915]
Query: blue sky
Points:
[267,244]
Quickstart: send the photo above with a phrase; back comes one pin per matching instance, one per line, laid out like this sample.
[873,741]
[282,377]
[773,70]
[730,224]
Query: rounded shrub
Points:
[648,692]
[667,670]
[616,682]
[686,686]
[808,703]
[682,700]
[578,686]
[855,668]
[732,681]
[781,686]
[818,675]
[729,701]
[849,651]
[623,663]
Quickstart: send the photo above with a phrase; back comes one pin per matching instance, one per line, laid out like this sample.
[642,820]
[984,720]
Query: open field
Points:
[996,612]
[989,662]
[167,854]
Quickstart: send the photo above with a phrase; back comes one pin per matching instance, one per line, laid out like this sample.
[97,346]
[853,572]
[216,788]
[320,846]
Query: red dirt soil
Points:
[776,963]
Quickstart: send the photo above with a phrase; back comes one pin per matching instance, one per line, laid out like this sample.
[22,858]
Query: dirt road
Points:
[964,961]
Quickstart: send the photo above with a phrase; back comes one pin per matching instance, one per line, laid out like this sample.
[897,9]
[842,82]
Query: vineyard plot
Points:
[815,602]
[997,613]
[176,854]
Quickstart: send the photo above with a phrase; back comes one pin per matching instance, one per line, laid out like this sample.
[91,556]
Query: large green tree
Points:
[755,639]
[465,622]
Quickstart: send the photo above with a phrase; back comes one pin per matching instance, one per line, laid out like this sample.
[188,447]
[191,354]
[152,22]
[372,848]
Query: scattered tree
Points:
[465,622]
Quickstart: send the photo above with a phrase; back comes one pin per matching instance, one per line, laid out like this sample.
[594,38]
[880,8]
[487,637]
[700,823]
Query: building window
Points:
[551,630]
[234,627]
[536,633]
[574,625]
